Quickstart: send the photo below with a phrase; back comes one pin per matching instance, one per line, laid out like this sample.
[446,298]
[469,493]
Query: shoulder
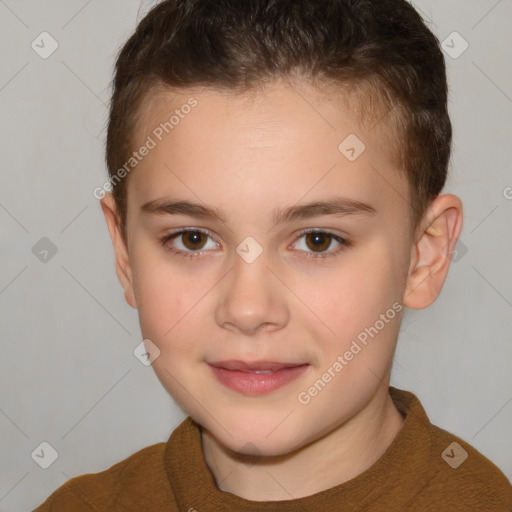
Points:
[98,491]
[468,478]
[454,475]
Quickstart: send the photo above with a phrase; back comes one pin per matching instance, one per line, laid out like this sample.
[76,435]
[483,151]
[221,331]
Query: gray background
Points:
[68,375]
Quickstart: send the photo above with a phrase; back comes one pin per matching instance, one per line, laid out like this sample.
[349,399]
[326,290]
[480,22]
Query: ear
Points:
[123,266]
[432,251]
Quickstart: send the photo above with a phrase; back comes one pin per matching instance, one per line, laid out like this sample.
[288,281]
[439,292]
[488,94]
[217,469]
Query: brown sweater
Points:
[422,470]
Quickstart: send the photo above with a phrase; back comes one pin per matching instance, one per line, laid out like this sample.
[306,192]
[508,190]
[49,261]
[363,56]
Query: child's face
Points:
[248,158]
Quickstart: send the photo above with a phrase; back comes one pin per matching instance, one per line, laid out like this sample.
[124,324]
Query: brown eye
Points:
[188,242]
[318,241]
[193,240]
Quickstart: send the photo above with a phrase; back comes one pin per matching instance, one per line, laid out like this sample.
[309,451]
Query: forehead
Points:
[279,143]
[317,110]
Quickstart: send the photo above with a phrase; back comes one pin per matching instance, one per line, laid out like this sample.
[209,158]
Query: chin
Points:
[264,441]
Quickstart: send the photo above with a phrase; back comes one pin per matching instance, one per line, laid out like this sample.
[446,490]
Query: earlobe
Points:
[122,259]
[432,251]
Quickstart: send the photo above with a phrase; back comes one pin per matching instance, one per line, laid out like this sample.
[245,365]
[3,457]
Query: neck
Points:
[341,455]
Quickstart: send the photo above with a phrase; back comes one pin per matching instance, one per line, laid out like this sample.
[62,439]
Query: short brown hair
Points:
[381,48]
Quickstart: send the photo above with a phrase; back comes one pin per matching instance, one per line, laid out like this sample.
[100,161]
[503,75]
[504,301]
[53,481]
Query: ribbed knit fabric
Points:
[414,474]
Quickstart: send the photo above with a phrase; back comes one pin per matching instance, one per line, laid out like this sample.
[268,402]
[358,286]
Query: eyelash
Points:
[194,254]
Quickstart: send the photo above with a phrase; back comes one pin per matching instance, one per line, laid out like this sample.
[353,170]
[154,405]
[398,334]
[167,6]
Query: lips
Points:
[258,377]
[256,367]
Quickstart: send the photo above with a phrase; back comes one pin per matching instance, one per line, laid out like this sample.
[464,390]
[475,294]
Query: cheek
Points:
[171,304]
[350,297]
[159,293]
[170,315]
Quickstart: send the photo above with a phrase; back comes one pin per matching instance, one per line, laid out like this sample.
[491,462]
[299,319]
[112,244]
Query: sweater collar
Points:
[404,463]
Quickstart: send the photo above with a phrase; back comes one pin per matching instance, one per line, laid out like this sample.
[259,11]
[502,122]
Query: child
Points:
[274,203]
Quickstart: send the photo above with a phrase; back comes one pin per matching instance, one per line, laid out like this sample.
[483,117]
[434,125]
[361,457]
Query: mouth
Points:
[256,377]
[256,367]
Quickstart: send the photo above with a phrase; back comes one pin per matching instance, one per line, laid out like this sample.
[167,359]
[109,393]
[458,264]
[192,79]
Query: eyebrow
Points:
[335,206]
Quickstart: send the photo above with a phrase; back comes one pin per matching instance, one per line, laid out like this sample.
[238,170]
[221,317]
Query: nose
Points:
[252,298]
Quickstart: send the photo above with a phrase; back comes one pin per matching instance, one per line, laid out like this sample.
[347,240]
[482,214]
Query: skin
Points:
[246,155]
